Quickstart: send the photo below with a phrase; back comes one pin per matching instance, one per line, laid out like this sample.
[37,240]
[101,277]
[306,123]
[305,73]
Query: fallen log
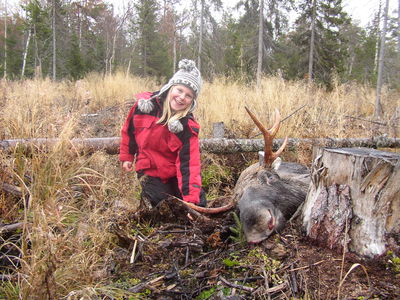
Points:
[11,189]
[4,228]
[213,145]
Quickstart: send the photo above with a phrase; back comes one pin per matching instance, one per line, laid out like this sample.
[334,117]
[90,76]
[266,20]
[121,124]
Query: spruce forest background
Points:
[66,39]
[70,227]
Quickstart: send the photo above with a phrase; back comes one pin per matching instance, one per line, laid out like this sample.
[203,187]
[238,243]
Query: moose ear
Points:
[276,164]
[271,223]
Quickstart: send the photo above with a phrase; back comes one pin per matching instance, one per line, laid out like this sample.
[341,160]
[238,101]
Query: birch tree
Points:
[312,41]
[378,107]
[260,43]
[25,53]
[201,40]
[5,39]
[398,26]
[201,31]
[53,22]
[378,30]
[117,29]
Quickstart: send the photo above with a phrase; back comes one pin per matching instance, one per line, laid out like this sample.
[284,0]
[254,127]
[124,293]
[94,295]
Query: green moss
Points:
[393,261]
[206,294]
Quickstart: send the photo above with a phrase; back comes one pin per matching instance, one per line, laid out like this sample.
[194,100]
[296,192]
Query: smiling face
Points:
[181,97]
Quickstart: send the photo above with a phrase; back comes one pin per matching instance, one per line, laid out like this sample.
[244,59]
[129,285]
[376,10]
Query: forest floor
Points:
[173,256]
[170,255]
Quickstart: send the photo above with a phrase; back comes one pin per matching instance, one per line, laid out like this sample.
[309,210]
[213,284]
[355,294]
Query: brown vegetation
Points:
[81,234]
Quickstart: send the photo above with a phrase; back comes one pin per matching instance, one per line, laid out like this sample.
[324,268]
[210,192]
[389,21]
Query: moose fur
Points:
[269,193]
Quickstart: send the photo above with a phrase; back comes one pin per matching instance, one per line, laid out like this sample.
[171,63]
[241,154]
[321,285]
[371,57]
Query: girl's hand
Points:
[127,166]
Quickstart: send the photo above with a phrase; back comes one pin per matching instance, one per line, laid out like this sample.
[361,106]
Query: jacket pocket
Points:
[143,164]
[142,122]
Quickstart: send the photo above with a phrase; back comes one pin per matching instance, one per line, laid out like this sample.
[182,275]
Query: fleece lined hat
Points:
[187,75]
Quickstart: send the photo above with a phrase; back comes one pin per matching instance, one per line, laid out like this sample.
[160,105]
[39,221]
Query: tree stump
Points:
[354,200]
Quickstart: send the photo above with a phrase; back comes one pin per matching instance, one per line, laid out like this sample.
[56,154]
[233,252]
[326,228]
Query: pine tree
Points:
[75,62]
[151,51]
[330,43]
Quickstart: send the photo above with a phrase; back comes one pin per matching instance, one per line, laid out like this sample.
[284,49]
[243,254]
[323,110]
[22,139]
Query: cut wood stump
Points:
[354,200]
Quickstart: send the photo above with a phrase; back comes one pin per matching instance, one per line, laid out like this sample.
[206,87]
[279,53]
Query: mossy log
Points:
[212,145]
[354,200]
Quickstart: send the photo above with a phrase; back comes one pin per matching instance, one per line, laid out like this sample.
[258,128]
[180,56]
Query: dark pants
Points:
[154,190]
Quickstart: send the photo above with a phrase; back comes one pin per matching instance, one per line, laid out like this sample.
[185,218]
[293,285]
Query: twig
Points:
[236,286]
[373,122]
[193,244]
[198,258]
[294,285]
[132,260]
[277,288]
[266,281]
[285,118]
[187,254]
[173,231]
[137,288]
[315,264]
[248,279]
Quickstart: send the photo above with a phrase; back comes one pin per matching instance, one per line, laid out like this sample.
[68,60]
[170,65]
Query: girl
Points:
[161,134]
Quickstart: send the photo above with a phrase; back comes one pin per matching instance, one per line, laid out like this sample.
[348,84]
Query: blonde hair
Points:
[168,115]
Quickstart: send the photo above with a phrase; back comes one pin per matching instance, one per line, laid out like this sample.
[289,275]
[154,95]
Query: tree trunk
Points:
[354,200]
[114,41]
[398,26]
[54,41]
[312,41]
[38,60]
[80,26]
[5,39]
[378,37]
[213,145]
[260,43]
[201,36]
[174,53]
[26,53]
[378,107]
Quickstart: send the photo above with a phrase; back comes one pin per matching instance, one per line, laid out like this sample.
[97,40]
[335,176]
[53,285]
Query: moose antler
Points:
[269,134]
[210,210]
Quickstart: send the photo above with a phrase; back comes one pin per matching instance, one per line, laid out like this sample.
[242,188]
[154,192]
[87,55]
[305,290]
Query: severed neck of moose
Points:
[269,134]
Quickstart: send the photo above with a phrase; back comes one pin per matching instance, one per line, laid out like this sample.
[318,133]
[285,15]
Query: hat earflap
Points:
[194,105]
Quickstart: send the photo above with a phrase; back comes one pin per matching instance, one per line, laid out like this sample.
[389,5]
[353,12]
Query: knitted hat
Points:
[187,75]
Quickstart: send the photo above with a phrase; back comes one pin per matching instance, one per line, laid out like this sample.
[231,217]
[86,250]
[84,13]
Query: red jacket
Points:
[161,153]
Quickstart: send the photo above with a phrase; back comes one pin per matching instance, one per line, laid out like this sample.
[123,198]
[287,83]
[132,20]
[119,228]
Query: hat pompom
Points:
[175,126]
[187,65]
[145,105]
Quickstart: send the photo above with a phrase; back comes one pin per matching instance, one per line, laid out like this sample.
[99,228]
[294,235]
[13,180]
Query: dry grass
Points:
[70,199]
[324,114]
[40,108]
